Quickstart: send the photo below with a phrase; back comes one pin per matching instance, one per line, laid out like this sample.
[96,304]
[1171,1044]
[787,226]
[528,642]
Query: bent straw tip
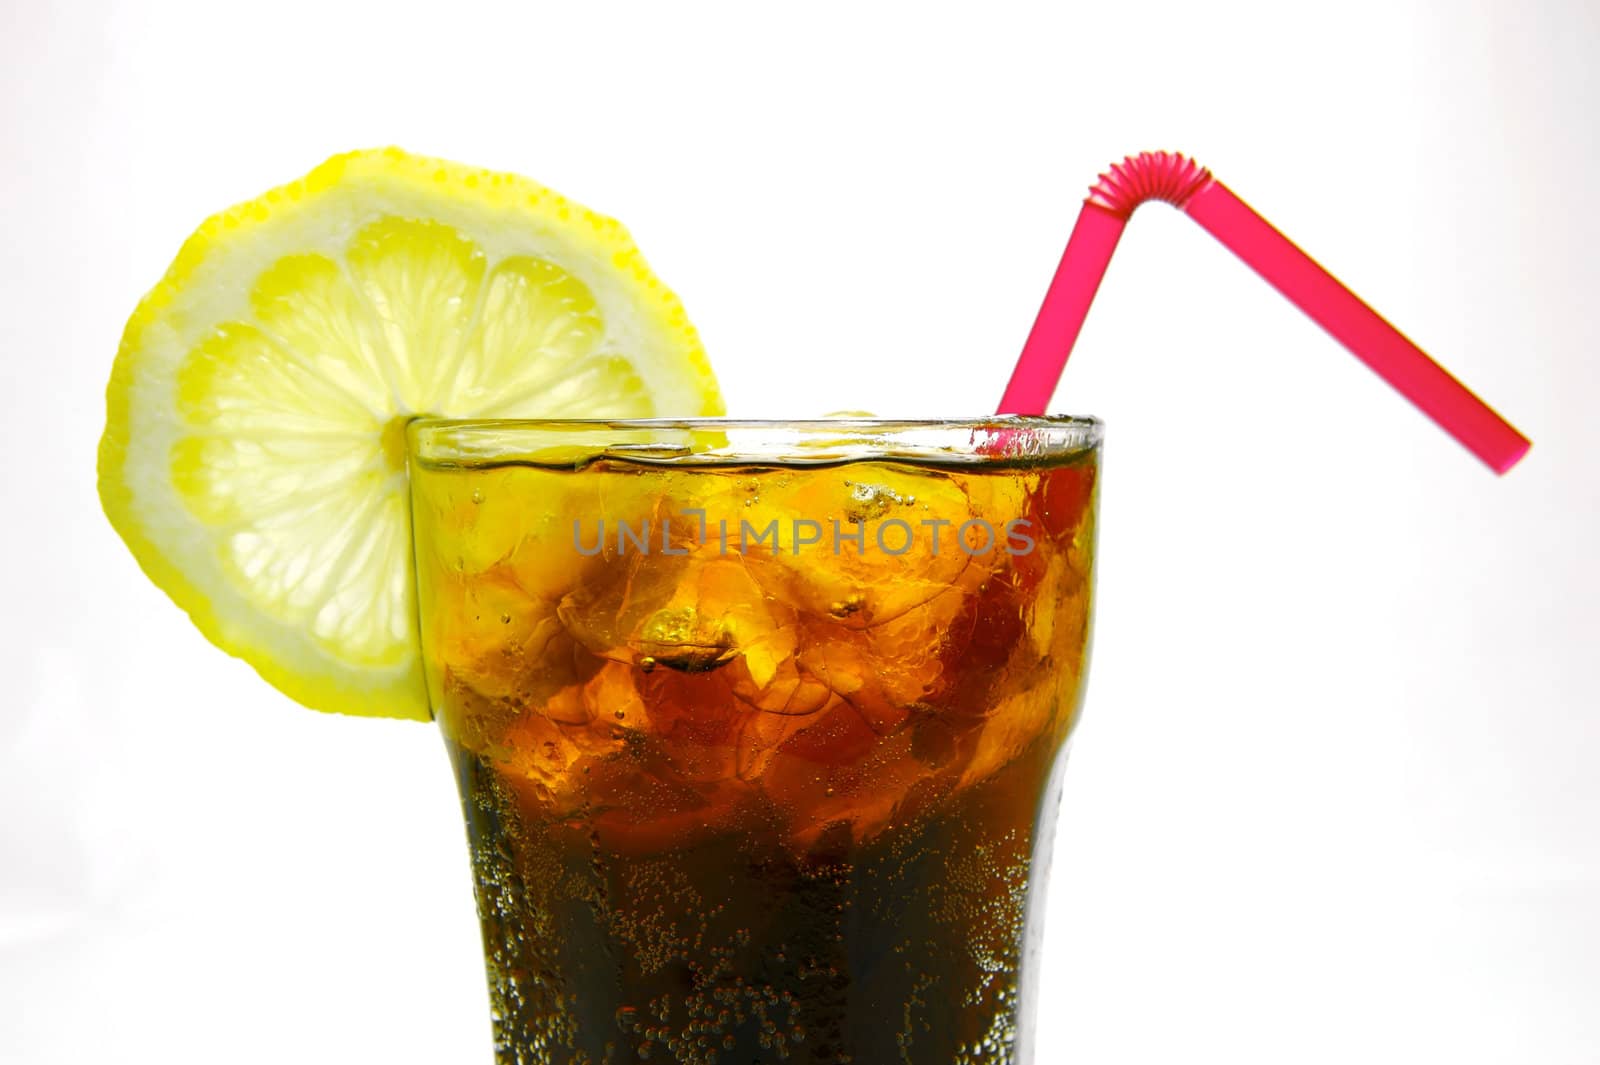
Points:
[1503,462]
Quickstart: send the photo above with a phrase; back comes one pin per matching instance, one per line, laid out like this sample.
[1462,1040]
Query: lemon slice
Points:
[254,453]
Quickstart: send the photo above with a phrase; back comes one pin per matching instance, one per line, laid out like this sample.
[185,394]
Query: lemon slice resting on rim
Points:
[254,452]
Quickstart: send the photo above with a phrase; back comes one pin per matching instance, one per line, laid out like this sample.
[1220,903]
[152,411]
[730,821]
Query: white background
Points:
[1337,793]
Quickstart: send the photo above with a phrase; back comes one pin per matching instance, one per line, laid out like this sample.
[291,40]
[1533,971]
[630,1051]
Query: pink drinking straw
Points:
[1180,181]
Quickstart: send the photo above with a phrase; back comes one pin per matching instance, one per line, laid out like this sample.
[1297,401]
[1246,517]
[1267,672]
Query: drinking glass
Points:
[757,725]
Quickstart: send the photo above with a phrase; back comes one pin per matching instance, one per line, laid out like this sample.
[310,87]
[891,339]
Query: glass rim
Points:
[722,440]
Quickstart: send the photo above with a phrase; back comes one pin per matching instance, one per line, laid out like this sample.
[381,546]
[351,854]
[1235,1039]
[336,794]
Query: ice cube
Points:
[862,547]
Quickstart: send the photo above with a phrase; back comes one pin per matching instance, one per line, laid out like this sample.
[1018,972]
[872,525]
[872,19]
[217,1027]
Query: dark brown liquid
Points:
[735,802]
[904,948]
